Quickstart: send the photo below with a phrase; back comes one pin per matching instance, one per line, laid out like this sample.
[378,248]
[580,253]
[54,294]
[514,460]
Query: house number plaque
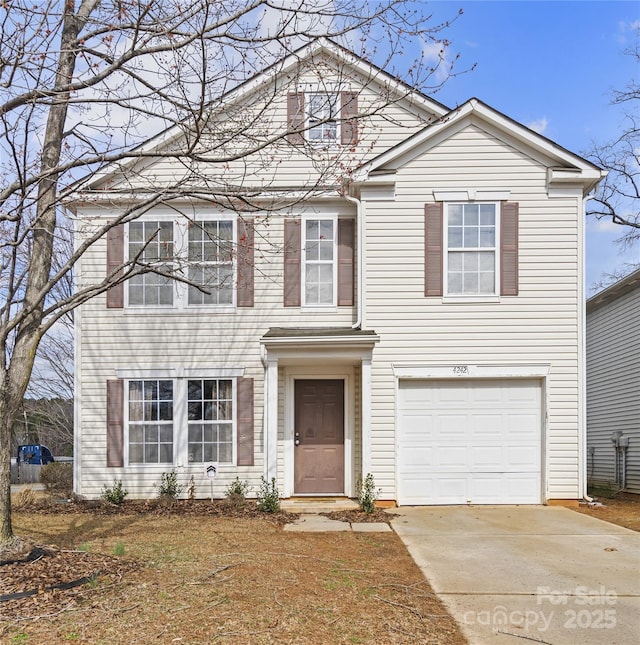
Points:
[460,370]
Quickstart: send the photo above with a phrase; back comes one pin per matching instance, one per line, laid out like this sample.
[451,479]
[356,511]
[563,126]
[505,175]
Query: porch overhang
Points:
[287,344]
[314,346]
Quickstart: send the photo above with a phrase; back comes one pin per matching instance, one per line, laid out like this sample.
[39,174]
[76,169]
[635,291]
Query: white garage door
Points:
[469,442]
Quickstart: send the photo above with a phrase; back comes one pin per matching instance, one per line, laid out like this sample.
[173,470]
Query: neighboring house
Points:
[417,316]
[613,385]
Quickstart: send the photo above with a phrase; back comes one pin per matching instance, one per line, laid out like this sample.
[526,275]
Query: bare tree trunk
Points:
[29,333]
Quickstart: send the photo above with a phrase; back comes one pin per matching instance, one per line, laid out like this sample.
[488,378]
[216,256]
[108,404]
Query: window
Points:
[207,250]
[210,420]
[322,115]
[151,422]
[319,248]
[471,257]
[210,262]
[151,242]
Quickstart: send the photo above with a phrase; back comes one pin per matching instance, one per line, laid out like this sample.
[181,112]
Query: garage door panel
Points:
[469,442]
[489,426]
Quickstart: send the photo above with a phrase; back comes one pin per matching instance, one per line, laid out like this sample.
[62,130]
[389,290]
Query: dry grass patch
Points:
[190,579]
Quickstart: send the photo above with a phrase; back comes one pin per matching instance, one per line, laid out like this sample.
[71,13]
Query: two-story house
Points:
[403,297]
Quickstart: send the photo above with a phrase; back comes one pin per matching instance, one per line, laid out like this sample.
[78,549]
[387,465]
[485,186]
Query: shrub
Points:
[169,487]
[236,492]
[268,496]
[57,478]
[367,494]
[115,494]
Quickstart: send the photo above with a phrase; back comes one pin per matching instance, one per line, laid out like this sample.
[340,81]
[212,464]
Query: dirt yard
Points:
[169,575]
[618,508]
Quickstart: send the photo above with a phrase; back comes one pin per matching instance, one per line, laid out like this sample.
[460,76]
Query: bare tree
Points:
[618,198]
[86,82]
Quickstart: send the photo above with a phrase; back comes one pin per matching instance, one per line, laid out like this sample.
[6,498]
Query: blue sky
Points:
[550,65]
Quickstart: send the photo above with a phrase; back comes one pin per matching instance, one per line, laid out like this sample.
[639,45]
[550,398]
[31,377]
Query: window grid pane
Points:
[211,262]
[150,422]
[151,242]
[319,262]
[471,258]
[210,409]
[322,112]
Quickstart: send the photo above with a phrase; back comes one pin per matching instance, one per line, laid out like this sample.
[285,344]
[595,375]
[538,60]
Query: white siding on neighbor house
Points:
[113,339]
[613,387]
[538,327]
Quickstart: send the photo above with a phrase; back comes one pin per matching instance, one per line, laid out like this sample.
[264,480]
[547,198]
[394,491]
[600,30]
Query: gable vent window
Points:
[323,111]
[322,118]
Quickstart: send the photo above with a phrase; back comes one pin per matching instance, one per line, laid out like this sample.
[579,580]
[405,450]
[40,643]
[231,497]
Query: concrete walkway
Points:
[314,523]
[517,574]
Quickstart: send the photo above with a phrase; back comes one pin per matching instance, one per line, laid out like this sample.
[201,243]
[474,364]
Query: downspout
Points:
[583,371]
[359,324]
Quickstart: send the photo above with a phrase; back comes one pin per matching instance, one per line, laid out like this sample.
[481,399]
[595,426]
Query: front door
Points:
[319,436]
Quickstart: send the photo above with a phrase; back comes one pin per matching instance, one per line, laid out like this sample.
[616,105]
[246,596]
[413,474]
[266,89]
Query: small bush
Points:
[268,496]
[367,494]
[115,494]
[58,478]
[236,492]
[169,487]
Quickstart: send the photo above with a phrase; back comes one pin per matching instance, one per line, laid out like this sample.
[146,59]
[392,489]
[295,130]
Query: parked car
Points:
[34,454]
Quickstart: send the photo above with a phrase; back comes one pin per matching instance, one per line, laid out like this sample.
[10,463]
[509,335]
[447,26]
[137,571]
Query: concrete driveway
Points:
[516,574]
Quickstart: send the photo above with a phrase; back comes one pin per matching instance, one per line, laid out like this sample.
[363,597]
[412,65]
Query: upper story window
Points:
[151,242]
[322,114]
[204,252]
[471,258]
[211,263]
[319,261]
[323,117]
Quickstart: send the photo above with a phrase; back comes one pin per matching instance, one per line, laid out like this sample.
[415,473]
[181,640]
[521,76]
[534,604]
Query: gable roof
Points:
[281,67]
[571,167]
[614,291]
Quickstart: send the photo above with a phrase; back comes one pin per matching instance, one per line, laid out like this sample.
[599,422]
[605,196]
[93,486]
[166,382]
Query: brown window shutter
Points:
[433,249]
[295,118]
[292,253]
[245,421]
[349,113]
[115,423]
[245,262]
[509,249]
[115,259]
[346,244]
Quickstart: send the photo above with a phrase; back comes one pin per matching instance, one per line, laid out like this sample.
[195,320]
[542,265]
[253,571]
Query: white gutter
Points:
[359,324]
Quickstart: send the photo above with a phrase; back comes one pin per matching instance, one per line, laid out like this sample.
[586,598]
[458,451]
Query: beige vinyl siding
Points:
[539,326]
[613,387]
[112,339]
[261,116]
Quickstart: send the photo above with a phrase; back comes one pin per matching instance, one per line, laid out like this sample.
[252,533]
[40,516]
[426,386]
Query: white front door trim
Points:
[293,373]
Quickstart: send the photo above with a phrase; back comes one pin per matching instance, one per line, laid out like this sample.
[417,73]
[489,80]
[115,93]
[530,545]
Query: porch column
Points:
[365,394]
[271,421]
